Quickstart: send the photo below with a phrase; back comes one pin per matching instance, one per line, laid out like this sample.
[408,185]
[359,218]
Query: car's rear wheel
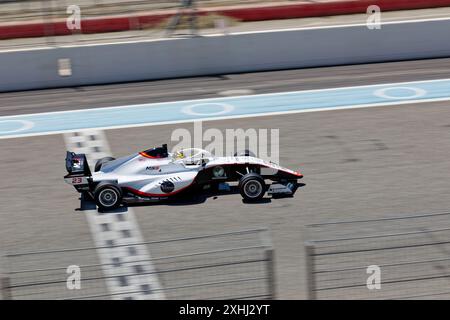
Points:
[252,187]
[108,196]
[102,161]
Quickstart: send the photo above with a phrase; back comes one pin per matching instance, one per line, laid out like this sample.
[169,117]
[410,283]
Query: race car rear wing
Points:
[76,164]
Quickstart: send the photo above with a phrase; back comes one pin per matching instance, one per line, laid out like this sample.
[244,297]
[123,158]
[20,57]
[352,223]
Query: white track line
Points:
[225,99]
[271,94]
[127,266]
[253,115]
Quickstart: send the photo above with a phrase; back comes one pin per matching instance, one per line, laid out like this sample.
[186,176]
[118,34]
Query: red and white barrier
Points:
[243,13]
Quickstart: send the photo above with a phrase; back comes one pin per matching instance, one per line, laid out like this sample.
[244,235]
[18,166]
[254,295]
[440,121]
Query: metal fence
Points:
[409,256]
[234,265]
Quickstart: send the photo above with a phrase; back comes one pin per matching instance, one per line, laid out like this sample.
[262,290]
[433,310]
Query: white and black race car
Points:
[156,174]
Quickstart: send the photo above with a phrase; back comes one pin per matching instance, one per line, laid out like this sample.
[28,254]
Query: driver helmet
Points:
[179,154]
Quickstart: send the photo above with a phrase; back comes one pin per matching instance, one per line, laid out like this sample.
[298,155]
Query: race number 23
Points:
[77,180]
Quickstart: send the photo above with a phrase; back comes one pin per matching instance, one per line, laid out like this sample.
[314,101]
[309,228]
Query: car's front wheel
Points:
[107,196]
[252,187]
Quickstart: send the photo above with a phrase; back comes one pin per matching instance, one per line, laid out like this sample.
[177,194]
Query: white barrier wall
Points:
[222,54]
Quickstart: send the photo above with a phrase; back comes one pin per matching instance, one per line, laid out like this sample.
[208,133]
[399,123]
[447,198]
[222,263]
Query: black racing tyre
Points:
[108,196]
[244,153]
[102,161]
[252,187]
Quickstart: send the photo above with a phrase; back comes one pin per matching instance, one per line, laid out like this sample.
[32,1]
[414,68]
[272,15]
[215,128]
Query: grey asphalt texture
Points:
[358,164]
[36,101]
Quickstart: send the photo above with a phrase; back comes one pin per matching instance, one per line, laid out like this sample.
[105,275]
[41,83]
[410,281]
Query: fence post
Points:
[5,289]
[269,253]
[310,266]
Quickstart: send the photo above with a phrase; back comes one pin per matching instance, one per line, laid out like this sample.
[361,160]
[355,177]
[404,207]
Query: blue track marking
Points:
[222,108]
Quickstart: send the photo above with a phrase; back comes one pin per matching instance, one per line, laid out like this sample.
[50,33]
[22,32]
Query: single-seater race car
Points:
[156,174]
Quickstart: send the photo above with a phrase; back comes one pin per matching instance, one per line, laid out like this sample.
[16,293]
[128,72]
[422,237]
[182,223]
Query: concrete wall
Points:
[245,52]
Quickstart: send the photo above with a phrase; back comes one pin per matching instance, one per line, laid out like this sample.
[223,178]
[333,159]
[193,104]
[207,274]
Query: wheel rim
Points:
[108,197]
[253,189]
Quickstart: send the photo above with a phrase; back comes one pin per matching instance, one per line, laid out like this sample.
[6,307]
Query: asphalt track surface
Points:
[63,99]
[360,163]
